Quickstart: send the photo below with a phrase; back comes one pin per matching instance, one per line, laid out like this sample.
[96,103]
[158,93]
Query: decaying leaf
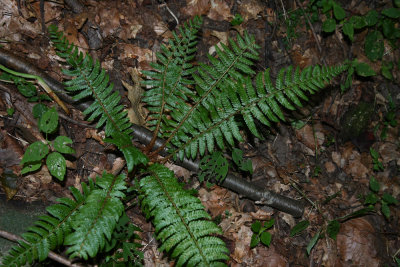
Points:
[135,91]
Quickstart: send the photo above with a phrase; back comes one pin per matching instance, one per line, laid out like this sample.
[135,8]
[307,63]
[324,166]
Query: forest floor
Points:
[326,153]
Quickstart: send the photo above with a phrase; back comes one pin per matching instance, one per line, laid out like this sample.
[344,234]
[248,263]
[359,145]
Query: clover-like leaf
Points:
[49,121]
[60,145]
[35,152]
[266,238]
[255,240]
[56,164]
[329,25]
[374,184]
[31,166]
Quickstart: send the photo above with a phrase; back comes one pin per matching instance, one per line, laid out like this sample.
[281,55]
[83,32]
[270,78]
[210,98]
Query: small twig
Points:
[54,256]
[170,12]
[312,30]
[71,120]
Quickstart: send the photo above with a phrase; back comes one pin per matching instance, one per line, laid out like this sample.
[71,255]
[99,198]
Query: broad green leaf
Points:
[333,229]
[237,20]
[358,22]
[255,240]
[49,121]
[385,210]
[363,69]
[389,199]
[388,28]
[374,45]
[348,29]
[35,152]
[237,156]
[392,12]
[256,226]
[374,153]
[299,227]
[266,238]
[268,224]
[27,89]
[60,145]
[312,242]
[372,17]
[397,4]
[38,110]
[338,11]
[387,70]
[374,184]
[371,198]
[31,166]
[329,25]
[326,5]
[56,164]
[359,213]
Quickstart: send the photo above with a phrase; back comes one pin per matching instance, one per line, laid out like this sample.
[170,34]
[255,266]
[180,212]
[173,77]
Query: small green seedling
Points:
[378,166]
[372,199]
[260,233]
[37,151]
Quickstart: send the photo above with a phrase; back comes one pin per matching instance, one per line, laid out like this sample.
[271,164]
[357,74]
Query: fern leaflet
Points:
[181,223]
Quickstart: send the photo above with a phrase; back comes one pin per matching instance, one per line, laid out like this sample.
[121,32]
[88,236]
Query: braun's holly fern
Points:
[194,109]
[181,223]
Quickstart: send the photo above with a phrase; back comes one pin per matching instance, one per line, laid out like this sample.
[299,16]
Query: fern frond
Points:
[216,120]
[89,79]
[49,231]
[171,77]
[96,220]
[181,223]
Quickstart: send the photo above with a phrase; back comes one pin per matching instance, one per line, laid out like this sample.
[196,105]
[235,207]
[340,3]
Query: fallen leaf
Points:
[357,244]
[249,9]
[196,7]
[220,11]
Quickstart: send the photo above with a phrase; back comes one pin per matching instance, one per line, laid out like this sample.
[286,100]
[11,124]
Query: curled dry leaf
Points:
[135,91]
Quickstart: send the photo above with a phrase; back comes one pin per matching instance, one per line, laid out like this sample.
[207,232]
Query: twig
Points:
[54,256]
[170,12]
[312,30]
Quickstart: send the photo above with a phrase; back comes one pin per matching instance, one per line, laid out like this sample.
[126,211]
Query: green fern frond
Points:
[49,231]
[171,77]
[216,120]
[96,220]
[89,79]
[181,223]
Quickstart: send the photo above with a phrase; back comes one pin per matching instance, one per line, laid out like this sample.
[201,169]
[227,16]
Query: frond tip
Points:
[181,223]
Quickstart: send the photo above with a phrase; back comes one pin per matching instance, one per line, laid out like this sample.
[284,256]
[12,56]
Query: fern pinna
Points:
[181,223]
[90,80]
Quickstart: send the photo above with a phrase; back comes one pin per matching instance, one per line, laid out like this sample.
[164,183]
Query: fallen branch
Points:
[239,185]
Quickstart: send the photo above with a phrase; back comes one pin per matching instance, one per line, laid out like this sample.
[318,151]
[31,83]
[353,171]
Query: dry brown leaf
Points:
[249,9]
[220,11]
[196,7]
[268,257]
[143,55]
[358,244]
[135,91]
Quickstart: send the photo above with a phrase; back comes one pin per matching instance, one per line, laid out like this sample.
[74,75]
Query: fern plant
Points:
[194,109]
